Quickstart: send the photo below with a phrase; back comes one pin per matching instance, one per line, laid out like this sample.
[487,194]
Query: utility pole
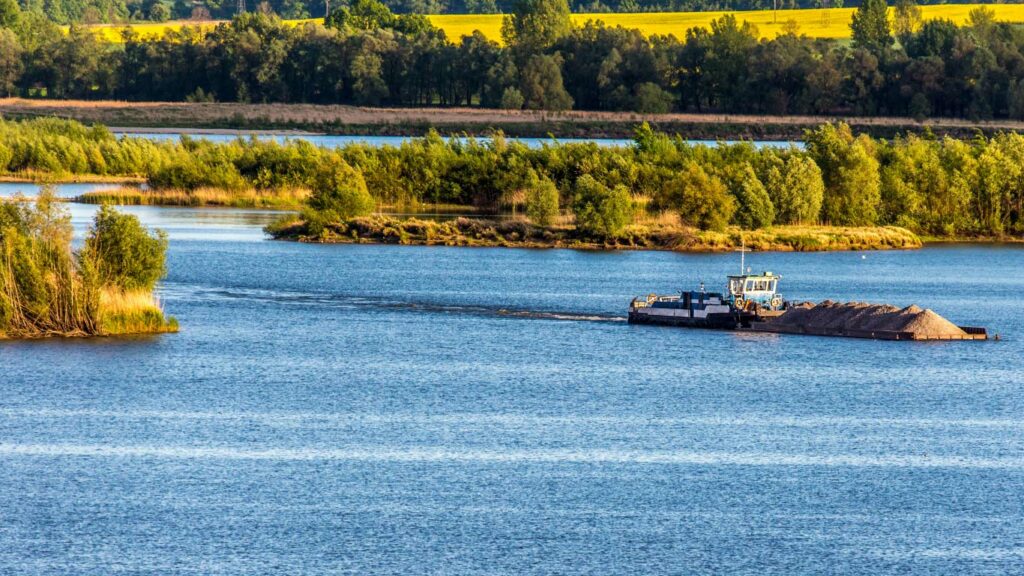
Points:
[327,8]
[241,7]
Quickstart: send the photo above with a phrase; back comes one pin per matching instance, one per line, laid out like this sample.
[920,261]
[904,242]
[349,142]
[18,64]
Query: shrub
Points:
[123,253]
[542,202]
[599,210]
[339,192]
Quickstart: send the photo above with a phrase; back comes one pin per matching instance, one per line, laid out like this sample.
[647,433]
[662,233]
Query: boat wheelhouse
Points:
[752,291]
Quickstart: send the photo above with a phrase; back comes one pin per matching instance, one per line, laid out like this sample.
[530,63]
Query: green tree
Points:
[542,202]
[10,12]
[339,192]
[701,199]
[850,172]
[907,19]
[512,99]
[796,189]
[541,84]
[159,12]
[123,252]
[361,15]
[535,25]
[599,210]
[755,209]
[652,99]
[11,64]
[870,26]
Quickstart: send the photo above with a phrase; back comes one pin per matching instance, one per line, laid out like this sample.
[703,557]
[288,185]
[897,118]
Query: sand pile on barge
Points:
[858,318]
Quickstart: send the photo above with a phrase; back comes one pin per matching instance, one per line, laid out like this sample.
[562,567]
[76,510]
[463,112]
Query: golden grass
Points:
[827,23]
[132,312]
[283,199]
[36,177]
[809,238]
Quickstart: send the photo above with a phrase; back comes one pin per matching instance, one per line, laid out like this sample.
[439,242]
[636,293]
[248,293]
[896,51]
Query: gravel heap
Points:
[830,315]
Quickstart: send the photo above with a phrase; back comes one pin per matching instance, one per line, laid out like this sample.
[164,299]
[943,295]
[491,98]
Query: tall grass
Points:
[278,199]
[132,312]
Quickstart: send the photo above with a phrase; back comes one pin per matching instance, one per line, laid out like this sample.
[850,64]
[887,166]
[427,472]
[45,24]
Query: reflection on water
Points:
[30,190]
[186,223]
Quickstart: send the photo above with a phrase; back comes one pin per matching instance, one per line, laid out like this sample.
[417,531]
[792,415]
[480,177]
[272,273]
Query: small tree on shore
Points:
[122,251]
[542,202]
[339,192]
[599,210]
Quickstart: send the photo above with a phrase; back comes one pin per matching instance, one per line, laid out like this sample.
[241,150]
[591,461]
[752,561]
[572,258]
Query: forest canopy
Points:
[366,55]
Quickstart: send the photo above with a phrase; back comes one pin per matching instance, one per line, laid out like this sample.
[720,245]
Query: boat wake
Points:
[349,301]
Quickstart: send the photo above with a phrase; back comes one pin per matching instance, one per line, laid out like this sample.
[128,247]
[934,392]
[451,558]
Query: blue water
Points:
[405,410]
[30,190]
[336,141]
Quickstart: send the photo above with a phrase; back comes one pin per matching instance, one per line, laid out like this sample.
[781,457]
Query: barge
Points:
[752,303]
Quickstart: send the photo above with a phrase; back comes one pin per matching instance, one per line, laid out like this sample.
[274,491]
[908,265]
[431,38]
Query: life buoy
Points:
[776,302]
[739,304]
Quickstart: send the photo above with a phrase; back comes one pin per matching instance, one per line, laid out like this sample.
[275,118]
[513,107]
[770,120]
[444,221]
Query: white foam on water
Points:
[554,456]
[737,420]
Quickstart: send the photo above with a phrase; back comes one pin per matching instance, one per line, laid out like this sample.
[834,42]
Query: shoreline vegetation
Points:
[104,289]
[840,191]
[283,199]
[380,229]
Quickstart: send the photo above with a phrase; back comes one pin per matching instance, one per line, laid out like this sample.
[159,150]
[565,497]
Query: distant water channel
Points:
[406,410]
[337,141]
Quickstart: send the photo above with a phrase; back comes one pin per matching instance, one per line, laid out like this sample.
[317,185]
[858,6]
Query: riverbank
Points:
[521,234]
[359,121]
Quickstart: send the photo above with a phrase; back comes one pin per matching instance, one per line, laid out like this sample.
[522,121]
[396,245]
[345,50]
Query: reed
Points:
[132,312]
[278,199]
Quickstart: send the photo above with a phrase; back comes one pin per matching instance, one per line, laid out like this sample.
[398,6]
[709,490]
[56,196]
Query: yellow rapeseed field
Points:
[830,23]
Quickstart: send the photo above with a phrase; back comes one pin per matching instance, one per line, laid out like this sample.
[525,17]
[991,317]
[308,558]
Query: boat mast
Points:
[743,253]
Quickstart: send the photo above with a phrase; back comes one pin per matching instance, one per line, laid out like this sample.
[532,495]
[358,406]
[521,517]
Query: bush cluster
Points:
[47,289]
[929,185]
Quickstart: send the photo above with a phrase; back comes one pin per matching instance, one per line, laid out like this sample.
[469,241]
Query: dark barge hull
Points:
[713,321]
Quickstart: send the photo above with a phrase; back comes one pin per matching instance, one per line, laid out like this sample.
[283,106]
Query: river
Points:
[337,141]
[401,410]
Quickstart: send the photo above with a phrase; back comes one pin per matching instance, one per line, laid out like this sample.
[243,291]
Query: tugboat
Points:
[748,298]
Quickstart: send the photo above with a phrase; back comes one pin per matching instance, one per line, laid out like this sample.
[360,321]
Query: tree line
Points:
[367,55]
[101,11]
[936,186]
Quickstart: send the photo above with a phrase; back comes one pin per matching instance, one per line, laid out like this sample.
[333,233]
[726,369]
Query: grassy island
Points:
[520,233]
[840,190]
[106,288]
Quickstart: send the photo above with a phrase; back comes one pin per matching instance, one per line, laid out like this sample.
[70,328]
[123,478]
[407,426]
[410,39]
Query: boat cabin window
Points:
[750,285]
[735,286]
